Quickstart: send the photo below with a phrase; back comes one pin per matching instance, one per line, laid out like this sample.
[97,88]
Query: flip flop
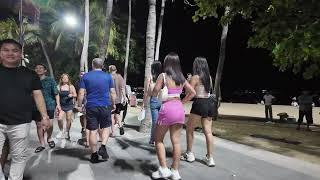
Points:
[52,144]
[39,149]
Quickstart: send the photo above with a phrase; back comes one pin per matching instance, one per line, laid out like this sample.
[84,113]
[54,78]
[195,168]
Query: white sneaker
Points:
[209,161]
[175,175]
[60,135]
[188,156]
[161,173]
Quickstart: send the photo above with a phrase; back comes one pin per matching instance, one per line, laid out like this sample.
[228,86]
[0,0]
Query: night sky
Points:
[245,68]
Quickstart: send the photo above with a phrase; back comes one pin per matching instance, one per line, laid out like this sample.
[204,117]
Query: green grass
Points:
[281,138]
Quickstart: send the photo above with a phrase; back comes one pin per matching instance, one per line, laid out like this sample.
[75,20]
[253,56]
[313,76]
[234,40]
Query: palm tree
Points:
[84,54]
[163,4]
[127,45]
[105,41]
[150,42]
[222,58]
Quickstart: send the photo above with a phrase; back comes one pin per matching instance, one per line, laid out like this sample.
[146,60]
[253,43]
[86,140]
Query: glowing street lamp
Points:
[70,20]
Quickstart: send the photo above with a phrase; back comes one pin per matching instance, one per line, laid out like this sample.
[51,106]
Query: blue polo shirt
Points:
[97,85]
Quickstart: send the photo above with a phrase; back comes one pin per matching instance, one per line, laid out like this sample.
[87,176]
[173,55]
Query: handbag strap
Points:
[211,85]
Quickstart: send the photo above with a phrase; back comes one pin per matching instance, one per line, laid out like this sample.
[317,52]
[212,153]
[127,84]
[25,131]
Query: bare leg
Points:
[60,120]
[49,131]
[190,129]
[40,133]
[104,135]
[161,151]
[69,122]
[93,141]
[175,132]
[207,130]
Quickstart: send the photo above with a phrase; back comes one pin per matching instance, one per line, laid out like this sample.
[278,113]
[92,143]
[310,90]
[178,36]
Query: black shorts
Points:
[119,107]
[203,107]
[36,116]
[98,117]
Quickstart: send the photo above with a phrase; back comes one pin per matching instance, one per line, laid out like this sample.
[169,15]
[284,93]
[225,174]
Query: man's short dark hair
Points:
[40,64]
[10,41]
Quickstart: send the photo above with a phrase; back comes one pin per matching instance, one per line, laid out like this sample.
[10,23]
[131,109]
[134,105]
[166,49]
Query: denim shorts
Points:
[98,117]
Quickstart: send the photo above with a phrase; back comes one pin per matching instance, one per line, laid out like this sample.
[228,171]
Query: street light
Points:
[70,20]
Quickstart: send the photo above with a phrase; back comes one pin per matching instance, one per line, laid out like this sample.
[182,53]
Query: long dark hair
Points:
[172,68]
[201,68]
[156,70]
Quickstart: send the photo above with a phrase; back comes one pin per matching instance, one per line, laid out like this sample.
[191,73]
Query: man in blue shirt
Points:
[98,87]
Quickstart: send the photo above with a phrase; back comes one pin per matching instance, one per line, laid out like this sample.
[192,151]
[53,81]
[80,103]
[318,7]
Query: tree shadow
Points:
[146,167]
[283,140]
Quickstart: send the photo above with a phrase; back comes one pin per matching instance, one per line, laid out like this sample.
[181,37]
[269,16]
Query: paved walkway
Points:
[132,158]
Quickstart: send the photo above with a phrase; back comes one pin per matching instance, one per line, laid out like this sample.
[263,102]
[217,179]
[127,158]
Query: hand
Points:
[70,95]
[45,122]
[79,108]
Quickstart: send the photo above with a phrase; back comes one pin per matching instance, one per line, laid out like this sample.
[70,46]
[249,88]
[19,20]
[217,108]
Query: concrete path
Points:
[132,158]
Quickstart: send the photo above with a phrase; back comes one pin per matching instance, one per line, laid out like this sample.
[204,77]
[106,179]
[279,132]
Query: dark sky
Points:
[244,67]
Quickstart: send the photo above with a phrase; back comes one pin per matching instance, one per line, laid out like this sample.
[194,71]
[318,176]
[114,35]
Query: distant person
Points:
[67,93]
[121,98]
[99,88]
[305,101]
[52,99]
[268,99]
[171,115]
[155,103]
[19,86]
[202,110]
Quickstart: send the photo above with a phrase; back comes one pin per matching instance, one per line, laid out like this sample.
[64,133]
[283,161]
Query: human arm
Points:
[189,87]
[41,106]
[73,92]
[158,86]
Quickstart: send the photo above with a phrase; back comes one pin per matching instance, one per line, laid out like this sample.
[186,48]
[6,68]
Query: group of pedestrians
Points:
[31,95]
[165,85]
[99,97]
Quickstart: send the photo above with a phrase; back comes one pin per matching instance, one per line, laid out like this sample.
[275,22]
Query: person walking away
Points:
[155,103]
[52,100]
[202,110]
[121,99]
[84,132]
[99,89]
[171,115]
[268,99]
[19,86]
[305,101]
[67,93]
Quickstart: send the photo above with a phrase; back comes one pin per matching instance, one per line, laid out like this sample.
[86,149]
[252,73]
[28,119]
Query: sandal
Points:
[39,149]
[52,144]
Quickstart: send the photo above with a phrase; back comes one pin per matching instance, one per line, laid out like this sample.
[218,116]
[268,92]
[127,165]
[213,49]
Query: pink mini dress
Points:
[172,111]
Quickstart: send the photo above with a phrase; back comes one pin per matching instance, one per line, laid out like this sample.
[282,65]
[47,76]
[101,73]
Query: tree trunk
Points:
[105,40]
[222,58]
[145,125]
[47,57]
[127,45]
[163,4]
[84,54]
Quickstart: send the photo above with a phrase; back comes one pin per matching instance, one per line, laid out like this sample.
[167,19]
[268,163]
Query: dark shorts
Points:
[67,107]
[203,107]
[119,107]
[36,116]
[98,117]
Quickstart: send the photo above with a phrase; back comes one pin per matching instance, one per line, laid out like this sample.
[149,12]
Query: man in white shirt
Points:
[268,99]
